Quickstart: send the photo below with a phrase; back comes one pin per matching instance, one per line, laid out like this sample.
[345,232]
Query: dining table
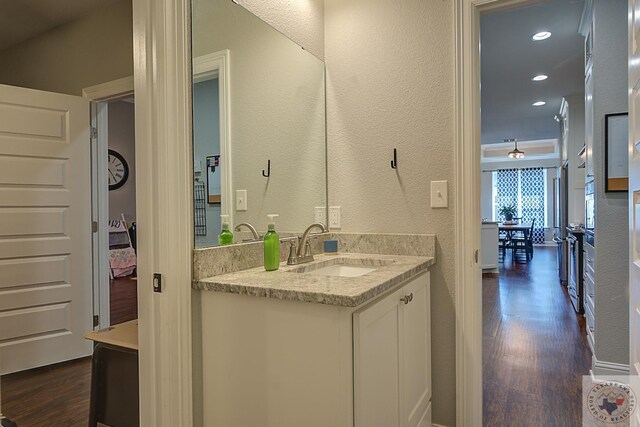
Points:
[511,229]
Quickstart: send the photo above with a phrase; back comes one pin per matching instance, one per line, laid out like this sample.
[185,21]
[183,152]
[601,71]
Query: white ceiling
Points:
[510,59]
[21,20]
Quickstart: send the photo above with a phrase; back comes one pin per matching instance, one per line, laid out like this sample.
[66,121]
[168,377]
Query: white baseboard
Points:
[600,367]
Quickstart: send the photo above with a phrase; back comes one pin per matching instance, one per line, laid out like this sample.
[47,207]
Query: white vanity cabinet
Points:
[270,362]
[392,359]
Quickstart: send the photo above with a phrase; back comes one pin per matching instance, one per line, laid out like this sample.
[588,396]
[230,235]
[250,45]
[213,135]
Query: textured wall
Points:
[122,138]
[277,113]
[612,217]
[390,83]
[92,50]
[300,20]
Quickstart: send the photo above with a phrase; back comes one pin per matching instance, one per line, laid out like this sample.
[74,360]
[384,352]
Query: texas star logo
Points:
[611,402]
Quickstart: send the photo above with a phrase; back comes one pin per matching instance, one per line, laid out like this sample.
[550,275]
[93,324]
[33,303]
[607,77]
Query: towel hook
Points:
[267,174]
[394,162]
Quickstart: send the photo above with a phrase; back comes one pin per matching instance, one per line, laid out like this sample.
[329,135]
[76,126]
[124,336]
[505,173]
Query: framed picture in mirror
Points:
[214,193]
[616,163]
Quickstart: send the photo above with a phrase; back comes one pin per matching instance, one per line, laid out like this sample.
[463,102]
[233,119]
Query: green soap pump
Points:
[271,246]
[226,236]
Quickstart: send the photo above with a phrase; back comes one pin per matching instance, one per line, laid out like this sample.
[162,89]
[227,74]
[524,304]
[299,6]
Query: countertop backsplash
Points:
[208,262]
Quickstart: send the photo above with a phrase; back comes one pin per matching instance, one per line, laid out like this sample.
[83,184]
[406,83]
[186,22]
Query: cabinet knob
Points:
[407,299]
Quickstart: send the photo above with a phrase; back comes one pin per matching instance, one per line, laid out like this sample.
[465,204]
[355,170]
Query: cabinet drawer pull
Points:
[407,299]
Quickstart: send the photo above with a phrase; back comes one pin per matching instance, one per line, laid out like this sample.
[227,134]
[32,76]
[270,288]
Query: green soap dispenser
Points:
[226,236]
[271,246]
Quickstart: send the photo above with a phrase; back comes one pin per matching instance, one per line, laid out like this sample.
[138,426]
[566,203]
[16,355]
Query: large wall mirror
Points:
[258,124]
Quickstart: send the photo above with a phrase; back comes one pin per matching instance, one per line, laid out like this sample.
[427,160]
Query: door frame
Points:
[99,95]
[164,210]
[207,67]
[467,212]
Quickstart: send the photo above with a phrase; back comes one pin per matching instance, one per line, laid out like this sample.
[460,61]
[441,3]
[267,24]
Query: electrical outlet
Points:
[321,214]
[334,217]
[241,200]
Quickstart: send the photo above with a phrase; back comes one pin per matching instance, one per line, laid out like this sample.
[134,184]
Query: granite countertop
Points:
[332,290]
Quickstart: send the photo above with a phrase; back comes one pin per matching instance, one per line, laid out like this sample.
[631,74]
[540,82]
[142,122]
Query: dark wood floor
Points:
[535,349]
[53,396]
[58,395]
[123,299]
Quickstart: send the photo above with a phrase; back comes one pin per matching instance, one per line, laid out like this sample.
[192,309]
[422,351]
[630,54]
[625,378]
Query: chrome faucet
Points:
[303,253]
[251,228]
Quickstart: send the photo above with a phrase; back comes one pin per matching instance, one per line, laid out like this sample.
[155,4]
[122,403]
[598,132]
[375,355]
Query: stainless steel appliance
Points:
[576,260]
[561,221]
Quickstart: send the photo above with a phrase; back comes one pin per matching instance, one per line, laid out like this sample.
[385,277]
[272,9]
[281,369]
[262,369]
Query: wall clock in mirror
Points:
[118,170]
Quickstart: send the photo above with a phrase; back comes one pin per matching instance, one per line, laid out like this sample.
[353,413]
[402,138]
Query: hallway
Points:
[535,348]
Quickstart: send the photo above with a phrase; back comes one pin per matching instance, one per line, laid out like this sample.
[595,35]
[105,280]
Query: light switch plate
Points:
[334,217]
[320,214]
[241,200]
[439,196]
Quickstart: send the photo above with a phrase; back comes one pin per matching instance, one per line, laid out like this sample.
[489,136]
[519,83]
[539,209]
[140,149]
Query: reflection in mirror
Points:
[258,125]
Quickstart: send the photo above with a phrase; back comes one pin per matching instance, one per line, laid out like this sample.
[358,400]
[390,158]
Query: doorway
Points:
[121,174]
[534,339]
[114,202]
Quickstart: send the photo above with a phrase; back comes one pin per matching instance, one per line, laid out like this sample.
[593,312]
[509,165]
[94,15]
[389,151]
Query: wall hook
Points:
[267,174]
[394,162]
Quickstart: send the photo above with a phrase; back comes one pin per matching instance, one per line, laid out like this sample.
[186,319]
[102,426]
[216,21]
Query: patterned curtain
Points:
[523,188]
[532,200]
[507,194]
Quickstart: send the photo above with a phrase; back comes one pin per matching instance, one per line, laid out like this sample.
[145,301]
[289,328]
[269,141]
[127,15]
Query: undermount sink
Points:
[342,267]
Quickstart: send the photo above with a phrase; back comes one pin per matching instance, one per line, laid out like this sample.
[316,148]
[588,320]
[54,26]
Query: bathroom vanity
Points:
[341,341]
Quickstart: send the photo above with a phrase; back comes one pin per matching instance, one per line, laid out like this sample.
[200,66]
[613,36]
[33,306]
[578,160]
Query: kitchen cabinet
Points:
[490,246]
[392,363]
[588,121]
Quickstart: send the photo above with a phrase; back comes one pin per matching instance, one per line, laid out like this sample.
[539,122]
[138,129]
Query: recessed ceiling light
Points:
[538,103]
[539,78]
[542,35]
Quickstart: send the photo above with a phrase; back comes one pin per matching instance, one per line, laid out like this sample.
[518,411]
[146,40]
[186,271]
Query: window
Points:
[526,189]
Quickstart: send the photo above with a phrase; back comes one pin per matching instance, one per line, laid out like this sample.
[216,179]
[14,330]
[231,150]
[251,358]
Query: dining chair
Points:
[523,245]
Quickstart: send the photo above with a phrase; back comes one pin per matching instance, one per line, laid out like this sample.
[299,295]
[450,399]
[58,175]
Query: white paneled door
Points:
[45,228]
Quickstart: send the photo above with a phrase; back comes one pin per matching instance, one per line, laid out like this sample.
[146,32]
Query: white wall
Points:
[300,20]
[277,113]
[94,49]
[612,223]
[123,140]
[390,83]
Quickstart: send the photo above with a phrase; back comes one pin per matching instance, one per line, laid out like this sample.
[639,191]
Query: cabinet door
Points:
[416,351]
[376,363]
[588,122]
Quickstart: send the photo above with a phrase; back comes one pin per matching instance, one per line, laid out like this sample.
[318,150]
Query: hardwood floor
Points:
[58,395]
[52,396]
[535,348]
[123,299]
